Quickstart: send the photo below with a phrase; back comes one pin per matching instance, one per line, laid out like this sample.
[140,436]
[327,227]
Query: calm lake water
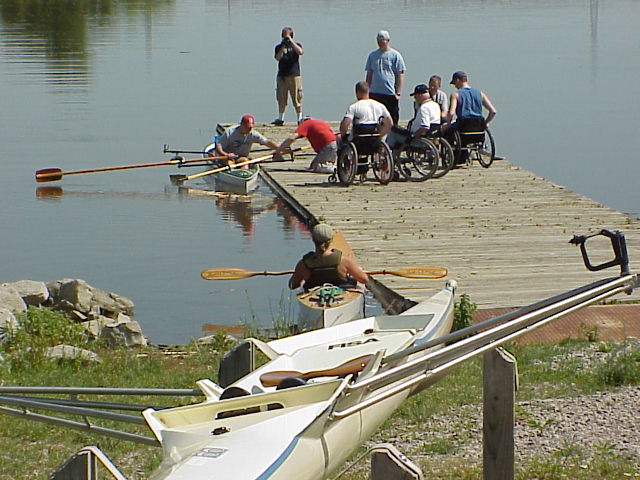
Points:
[87,86]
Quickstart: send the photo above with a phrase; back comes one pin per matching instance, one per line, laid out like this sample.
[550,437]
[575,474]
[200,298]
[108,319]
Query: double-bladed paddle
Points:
[273,379]
[406,272]
[53,174]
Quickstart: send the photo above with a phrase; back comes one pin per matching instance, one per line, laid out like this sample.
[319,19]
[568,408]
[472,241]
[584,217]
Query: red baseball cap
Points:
[248,120]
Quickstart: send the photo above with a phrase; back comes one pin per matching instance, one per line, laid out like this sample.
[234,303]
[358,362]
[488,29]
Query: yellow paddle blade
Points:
[414,272]
[235,273]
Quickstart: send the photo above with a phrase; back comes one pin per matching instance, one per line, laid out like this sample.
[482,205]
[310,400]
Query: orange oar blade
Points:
[48,175]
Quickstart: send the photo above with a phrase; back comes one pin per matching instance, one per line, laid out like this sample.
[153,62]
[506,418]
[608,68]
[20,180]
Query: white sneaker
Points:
[324,169]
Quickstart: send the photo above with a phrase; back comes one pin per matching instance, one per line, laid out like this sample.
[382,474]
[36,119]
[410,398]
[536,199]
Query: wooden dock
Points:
[502,232]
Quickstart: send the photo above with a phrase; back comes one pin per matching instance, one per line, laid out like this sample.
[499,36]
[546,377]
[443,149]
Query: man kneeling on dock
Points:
[326,265]
[322,139]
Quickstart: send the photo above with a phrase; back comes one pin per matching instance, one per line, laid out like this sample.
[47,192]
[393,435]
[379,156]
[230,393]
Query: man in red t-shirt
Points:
[322,139]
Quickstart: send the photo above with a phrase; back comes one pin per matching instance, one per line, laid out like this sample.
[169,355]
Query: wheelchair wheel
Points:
[425,159]
[347,164]
[487,151]
[445,150]
[382,164]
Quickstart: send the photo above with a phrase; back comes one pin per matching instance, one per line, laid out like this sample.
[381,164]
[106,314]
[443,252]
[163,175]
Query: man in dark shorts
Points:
[385,75]
[288,79]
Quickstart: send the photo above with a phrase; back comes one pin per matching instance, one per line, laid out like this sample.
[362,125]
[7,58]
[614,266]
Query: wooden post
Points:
[499,386]
[388,463]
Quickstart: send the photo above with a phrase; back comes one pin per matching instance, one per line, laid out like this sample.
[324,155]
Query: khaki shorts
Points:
[289,86]
[326,157]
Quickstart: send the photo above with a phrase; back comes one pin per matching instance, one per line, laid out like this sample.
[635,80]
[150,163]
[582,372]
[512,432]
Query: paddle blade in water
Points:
[48,175]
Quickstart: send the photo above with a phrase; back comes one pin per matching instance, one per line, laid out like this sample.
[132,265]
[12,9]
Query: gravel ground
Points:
[603,423]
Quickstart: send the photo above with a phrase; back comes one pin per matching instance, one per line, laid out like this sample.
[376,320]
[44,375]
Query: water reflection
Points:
[242,211]
[55,35]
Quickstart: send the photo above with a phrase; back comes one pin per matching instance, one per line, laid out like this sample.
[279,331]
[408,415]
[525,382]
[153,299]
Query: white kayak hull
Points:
[303,432]
[313,314]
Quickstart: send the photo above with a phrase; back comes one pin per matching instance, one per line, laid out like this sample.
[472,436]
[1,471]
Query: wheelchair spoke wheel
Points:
[445,151]
[347,164]
[487,151]
[383,164]
[425,159]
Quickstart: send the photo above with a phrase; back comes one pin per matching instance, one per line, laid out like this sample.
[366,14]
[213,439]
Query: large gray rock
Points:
[71,352]
[119,331]
[32,292]
[11,299]
[111,304]
[79,299]
[77,293]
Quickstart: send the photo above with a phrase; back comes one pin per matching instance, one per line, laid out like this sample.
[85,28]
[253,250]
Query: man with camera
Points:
[288,79]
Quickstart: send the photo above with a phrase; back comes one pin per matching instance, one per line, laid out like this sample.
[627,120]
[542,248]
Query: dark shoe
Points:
[278,122]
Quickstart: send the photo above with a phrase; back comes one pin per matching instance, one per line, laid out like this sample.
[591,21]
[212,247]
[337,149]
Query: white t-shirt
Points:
[426,115]
[366,111]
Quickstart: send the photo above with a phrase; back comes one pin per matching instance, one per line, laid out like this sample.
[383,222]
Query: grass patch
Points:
[31,450]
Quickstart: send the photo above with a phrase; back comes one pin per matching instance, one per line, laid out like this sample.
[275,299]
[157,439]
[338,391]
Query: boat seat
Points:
[233,392]
[290,382]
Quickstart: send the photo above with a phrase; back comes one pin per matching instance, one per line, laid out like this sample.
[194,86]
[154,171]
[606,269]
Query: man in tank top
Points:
[325,265]
[466,103]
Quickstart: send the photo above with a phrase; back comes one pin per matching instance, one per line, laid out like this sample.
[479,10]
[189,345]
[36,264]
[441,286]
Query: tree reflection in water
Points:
[55,33]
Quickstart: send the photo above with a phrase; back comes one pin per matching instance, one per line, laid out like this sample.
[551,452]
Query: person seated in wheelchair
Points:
[365,118]
[466,103]
[426,121]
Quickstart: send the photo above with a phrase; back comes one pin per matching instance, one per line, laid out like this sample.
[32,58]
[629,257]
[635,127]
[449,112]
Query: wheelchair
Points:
[473,141]
[365,151]
[419,159]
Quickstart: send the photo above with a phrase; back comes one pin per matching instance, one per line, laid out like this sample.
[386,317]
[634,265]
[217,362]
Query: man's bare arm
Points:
[486,103]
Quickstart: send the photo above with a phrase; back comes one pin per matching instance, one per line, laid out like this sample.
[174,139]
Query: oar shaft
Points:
[54,173]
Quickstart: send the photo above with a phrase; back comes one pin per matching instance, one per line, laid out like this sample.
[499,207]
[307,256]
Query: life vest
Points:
[323,268]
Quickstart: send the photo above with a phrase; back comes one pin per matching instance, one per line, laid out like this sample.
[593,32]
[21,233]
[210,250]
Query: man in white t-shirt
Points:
[365,111]
[427,118]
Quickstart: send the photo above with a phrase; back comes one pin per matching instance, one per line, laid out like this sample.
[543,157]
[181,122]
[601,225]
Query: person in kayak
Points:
[235,144]
[325,265]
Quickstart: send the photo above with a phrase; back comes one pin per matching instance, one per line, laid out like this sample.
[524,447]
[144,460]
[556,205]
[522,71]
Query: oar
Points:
[273,379]
[180,179]
[178,152]
[53,174]
[407,272]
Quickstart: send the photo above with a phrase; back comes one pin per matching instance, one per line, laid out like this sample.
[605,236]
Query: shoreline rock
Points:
[104,315]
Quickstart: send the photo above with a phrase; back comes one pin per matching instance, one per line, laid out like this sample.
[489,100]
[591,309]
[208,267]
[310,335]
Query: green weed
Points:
[463,313]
